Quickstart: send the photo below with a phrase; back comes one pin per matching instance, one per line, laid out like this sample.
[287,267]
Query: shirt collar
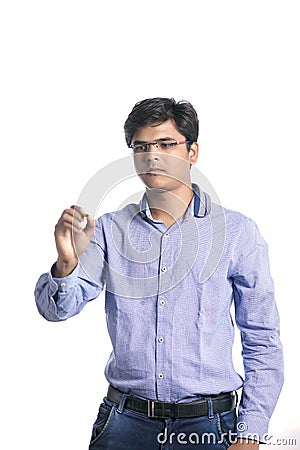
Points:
[199,206]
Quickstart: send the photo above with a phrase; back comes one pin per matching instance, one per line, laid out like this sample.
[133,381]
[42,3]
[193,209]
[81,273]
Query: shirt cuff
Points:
[252,427]
[65,283]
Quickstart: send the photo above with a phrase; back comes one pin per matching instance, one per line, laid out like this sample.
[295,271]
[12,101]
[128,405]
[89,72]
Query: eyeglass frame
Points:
[156,144]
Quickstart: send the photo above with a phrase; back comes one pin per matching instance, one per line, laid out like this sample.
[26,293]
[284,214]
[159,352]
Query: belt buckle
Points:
[160,410]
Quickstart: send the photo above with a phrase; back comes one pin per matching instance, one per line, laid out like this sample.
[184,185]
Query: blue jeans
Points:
[118,428]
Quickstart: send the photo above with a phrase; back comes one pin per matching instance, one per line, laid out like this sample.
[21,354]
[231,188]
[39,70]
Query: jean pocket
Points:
[101,423]
[227,427]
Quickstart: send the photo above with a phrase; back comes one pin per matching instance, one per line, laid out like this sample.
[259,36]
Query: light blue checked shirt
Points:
[168,294]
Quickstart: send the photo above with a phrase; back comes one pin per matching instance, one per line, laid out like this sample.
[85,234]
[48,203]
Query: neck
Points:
[169,206]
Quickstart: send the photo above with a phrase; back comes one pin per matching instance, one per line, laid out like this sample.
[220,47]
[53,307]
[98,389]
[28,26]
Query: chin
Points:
[155,182]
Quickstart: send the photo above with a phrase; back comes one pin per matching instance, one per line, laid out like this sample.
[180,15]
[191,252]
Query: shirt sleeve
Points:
[258,321]
[58,299]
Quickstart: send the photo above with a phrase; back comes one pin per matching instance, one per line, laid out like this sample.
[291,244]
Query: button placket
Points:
[164,268]
[162,363]
[162,351]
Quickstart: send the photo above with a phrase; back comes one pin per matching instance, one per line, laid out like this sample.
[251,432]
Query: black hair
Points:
[160,109]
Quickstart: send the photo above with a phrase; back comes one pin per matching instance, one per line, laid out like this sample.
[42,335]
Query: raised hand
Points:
[73,233]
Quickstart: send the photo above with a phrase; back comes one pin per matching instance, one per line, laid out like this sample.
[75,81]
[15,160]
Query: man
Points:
[172,266]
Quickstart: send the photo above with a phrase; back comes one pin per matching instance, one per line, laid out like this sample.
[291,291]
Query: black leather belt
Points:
[164,410]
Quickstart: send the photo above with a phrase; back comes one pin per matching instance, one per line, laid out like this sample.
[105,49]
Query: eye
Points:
[139,148]
[166,145]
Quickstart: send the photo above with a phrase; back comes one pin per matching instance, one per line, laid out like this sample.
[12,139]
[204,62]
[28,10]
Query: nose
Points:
[152,153]
[154,145]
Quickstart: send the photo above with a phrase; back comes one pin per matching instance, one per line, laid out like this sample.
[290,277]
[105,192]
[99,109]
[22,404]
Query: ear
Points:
[193,153]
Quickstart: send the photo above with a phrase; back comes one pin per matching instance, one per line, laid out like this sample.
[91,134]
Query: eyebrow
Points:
[167,138]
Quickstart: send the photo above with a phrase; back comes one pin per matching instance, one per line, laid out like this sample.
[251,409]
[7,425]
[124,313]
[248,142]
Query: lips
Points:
[154,170]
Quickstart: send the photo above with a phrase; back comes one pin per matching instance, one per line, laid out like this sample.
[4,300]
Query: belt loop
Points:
[236,398]
[210,408]
[122,403]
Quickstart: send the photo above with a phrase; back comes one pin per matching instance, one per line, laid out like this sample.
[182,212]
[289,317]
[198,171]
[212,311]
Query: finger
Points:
[71,227]
[80,210]
[90,223]
[70,214]
[70,220]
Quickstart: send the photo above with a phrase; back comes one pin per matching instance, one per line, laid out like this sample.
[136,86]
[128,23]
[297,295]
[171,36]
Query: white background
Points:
[70,73]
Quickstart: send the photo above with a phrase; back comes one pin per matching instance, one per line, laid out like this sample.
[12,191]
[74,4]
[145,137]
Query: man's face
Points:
[166,169]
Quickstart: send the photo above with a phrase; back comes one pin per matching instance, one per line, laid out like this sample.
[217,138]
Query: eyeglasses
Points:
[163,146]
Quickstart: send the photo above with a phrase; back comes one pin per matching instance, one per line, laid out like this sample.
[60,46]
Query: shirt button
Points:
[167,234]
[160,376]
[162,302]
[161,340]
[62,285]
[163,269]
